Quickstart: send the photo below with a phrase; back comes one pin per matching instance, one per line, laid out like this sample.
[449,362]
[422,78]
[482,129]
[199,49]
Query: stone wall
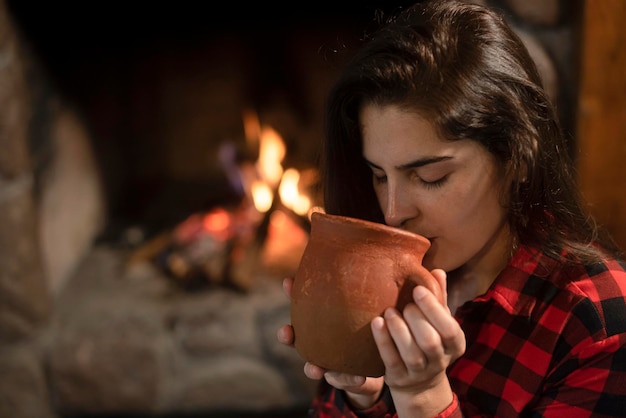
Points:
[25,303]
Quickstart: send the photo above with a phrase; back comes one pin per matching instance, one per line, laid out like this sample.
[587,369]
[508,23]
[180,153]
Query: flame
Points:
[269,171]
[216,221]
[271,153]
[290,194]
[262,196]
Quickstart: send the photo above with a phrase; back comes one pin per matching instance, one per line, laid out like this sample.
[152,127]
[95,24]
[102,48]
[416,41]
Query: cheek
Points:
[482,209]
[472,205]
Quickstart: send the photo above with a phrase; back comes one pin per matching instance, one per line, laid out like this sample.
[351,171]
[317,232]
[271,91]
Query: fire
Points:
[290,194]
[271,176]
[269,169]
[217,222]
[271,153]
[262,196]
[268,228]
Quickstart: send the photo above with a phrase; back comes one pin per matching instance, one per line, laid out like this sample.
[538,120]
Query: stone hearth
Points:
[125,338]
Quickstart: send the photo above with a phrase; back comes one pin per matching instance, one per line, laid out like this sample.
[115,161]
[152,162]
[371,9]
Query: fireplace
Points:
[158,97]
[132,116]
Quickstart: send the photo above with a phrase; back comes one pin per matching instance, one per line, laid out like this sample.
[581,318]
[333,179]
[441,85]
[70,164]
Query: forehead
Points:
[390,130]
[394,137]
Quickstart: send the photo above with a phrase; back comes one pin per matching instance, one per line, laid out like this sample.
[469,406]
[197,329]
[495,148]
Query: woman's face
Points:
[447,191]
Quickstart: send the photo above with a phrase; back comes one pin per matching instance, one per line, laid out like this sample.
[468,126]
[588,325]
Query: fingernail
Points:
[419,292]
[378,322]
[391,313]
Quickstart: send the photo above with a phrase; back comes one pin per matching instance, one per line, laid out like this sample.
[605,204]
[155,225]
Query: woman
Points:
[439,125]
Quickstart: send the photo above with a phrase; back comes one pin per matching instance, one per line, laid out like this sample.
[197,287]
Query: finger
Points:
[447,328]
[416,340]
[395,343]
[285,334]
[425,337]
[344,381]
[442,281]
[313,372]
[287,286]
[386,346]
[361,391]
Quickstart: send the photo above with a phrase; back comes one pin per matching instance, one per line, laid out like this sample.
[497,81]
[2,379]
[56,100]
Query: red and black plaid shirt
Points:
[546,340]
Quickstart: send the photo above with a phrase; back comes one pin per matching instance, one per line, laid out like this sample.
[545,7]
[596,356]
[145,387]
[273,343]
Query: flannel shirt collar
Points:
[509,288]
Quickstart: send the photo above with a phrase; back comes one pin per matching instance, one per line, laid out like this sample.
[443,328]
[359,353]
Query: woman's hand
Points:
[417,346]
[361,391]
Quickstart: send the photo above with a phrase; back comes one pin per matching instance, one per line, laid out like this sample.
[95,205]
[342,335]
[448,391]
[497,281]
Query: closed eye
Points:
[430,169]
[379,179]
[428,184]
[435,183]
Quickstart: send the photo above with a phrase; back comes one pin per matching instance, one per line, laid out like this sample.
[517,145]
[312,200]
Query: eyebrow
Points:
[413,164]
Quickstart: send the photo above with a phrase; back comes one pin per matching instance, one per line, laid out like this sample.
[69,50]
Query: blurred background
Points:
[157,168]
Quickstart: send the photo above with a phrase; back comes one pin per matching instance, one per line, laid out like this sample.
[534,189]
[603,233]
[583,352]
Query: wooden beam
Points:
[601,118]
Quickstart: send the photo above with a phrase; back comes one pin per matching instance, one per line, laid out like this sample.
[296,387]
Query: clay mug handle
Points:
[416,274]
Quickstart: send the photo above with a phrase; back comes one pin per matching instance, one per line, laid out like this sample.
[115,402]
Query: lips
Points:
[429,238]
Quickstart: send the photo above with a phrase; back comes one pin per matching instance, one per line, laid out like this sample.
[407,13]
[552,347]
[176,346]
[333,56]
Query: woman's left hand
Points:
[417,345]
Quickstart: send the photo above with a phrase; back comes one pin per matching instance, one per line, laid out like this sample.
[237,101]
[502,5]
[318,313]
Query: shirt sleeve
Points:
[589,381]
[589,361]
[453,410]
[331,402]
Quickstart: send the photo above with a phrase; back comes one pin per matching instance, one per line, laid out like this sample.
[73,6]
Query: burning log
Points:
[205,249]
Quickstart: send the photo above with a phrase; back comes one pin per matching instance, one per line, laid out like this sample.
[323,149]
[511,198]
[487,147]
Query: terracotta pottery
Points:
[350,272]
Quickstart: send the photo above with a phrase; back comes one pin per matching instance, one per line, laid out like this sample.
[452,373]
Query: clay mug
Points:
[351,270]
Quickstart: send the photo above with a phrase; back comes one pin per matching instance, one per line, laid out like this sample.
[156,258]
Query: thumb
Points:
[442,281]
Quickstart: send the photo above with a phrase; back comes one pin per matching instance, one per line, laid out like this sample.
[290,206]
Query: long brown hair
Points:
[464,68]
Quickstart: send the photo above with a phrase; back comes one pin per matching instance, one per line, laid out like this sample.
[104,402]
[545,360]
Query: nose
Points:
[398,208]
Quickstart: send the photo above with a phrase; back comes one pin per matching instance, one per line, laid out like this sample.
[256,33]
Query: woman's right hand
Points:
[362,391]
